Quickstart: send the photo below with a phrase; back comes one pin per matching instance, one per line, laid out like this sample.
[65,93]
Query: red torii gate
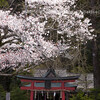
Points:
[50,82]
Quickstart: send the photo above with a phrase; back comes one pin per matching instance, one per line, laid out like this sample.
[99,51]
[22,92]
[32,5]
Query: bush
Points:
[3,3]
[17,94]
[80,96]
[2,93]
[95,94]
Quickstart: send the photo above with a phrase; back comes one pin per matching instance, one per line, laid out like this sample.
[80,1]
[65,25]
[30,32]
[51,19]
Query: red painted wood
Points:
[23,80]
[32,95]
[32,88]
[42,88]
[62,88]
[62,85]
[69,88]
[56,88]
[39,81]
[25,88]
[39,88]
[63,95]
[32,85]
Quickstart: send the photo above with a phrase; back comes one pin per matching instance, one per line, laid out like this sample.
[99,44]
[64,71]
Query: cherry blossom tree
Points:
[40,31]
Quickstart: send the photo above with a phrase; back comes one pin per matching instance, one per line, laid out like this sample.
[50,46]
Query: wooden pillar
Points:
[63,92]
[63,95]
[32,95]
[32,92]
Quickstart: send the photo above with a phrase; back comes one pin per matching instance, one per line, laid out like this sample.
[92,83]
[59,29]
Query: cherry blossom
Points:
[33,46]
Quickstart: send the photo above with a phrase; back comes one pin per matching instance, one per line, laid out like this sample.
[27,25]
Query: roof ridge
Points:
[50,73]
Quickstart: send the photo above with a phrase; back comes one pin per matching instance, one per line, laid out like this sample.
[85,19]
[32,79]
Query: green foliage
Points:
[3,3]
[17,94]
[81,96]
[2,93]
[95,94]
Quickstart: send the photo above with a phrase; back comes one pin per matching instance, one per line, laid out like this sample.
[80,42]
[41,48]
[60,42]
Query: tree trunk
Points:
[7,95]
[96,64]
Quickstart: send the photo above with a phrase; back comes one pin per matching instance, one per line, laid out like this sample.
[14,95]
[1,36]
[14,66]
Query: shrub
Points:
[80,96]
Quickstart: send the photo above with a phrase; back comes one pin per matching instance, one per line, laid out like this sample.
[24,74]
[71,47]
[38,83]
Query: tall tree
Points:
[91,10]
[48,17]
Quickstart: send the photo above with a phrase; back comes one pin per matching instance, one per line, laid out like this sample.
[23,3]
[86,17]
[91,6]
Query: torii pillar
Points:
[32,95]
[63,92]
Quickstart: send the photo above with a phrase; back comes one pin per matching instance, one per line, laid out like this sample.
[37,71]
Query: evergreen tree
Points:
[91,10]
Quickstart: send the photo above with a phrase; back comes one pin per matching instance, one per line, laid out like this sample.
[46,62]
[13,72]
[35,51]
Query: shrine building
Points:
[48,87]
